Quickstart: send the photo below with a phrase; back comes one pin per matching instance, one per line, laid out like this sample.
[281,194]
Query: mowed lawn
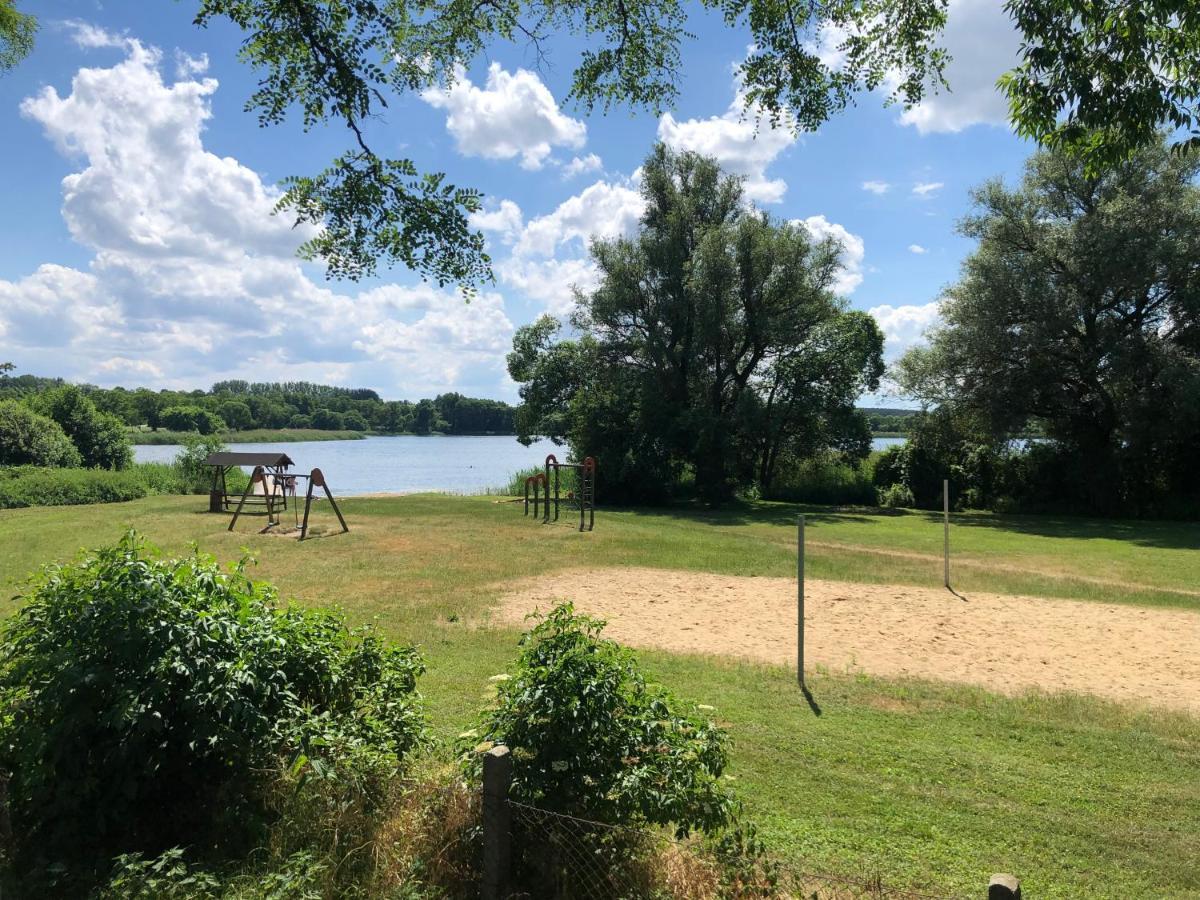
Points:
[929,785]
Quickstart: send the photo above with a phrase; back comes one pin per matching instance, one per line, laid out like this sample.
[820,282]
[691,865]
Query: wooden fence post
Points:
[497,822]
[1004,887]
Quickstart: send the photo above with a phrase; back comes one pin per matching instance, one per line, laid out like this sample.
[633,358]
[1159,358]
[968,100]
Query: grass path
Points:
[931,785]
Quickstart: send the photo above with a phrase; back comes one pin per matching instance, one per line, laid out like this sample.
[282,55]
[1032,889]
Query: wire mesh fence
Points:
[558,856]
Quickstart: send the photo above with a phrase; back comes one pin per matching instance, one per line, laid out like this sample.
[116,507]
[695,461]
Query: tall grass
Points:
[251,436]
[828,481]
[25,486]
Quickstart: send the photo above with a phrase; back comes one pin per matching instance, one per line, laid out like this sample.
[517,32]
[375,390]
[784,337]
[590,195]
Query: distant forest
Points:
[244,405]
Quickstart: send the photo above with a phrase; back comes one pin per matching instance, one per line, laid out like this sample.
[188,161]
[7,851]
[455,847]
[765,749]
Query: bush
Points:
[194,476]
[589,737]
[826,479]
[896,496]
[28,439]
[101,438]
[33,486]
[148,702]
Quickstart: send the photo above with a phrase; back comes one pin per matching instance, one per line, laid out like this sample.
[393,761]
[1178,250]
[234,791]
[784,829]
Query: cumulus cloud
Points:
[93,37]
[904,326]
[549,256]
[743,141]
[876,187]
[850,275]
[503,219]
[513,115]
[984,45]
[189,262]
[927,188]
[917,249]
[580,165]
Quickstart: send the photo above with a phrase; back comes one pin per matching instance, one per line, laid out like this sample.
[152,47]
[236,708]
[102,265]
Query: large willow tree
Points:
[713,348]
[1080,310]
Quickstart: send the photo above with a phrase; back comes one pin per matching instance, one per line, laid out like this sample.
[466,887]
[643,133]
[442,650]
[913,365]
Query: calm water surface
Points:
[407,463]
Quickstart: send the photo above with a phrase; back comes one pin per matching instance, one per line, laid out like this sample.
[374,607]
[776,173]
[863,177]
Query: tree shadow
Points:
[767,513]
[1161,534]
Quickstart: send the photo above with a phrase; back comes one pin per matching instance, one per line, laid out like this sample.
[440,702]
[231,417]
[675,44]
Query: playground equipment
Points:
[584,498]
[274,468]
[276,488]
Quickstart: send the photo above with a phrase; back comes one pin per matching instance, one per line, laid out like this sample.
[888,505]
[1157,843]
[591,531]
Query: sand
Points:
[1005,643]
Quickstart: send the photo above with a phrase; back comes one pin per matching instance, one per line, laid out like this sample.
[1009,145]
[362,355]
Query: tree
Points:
[712,345]
[1099,78]
[28,439]
[99,437]
[235,414]
[16,34]
[1080,309]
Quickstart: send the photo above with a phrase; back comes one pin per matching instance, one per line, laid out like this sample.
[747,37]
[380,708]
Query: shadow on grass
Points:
[1159,534]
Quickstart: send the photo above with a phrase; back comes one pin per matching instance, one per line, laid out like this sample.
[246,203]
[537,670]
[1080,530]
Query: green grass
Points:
[930,785]
[251,436]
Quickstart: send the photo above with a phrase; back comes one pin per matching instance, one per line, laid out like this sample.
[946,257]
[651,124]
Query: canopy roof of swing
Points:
[267,460]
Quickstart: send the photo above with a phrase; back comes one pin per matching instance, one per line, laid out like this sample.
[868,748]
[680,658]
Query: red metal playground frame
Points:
[539,486]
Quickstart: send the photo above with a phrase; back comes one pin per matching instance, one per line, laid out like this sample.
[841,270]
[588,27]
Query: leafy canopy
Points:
[713,347]
[1080,310]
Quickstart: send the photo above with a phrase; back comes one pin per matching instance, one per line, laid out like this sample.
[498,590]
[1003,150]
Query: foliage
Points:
[1080,311]
[22,486]
[99,437]
[828,479]
[194,476]
[713,346]
[1099,78]
[896,496]
[29,439]
[244,405]
[148,699]
[16,37]
[590,737]
[191,418]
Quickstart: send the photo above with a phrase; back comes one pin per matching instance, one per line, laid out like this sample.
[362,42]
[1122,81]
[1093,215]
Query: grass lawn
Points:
[932,786]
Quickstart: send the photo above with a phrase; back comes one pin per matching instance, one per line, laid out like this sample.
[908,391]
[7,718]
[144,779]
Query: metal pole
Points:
[946,529]
[800,601]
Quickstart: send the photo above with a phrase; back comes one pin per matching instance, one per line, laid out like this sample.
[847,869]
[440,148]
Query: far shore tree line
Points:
[242,406]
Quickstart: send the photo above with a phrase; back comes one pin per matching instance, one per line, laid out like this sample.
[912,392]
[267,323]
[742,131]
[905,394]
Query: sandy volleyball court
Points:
[1005,643]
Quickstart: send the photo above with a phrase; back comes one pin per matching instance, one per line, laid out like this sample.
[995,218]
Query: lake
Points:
[405,463]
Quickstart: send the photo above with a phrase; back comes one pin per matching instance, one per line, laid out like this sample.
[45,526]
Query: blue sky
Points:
[139,247]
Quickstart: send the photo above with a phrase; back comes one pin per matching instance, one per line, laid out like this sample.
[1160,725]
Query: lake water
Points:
[407,463]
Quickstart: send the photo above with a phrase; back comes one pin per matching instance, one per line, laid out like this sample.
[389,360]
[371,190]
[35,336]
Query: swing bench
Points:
[263,491]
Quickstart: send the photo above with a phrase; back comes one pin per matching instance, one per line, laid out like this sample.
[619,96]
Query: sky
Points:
[138,244]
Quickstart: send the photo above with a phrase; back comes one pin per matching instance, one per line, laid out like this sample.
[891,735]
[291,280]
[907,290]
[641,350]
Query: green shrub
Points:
[589,737]
[896,496]
[29,439]
[148,703]
[825,479]
[194,476]
[34,486]
[101,438]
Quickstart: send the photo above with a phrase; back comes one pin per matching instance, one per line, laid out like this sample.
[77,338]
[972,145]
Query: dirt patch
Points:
[1005,643]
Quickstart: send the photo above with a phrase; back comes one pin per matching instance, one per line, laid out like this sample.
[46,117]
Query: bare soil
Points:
[1005,643]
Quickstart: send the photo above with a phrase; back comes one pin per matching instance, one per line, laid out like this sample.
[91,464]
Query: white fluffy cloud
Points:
[513,115]
[917,249]
[503,219]
[850,275]
[904,326]
[876,187]
[580,165]
[742,141]
[193,279]
[984,45]
[925,189]
[549,257]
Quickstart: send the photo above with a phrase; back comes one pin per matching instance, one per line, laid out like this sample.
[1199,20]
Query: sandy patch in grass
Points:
[1001,642]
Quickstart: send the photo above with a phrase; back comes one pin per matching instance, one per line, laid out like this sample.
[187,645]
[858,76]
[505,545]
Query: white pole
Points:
[800,601]
[946,528]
